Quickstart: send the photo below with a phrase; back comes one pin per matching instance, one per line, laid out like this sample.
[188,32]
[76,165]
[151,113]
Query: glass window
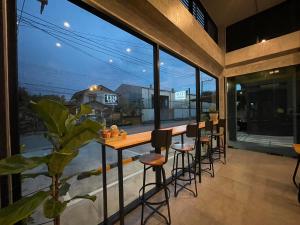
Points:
[208,95]
[68,54]
[177,91]
[263,106]
[177,97]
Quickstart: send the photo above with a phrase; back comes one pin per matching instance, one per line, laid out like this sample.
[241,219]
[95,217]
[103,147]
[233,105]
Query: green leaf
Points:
[34,175]
[90,173]
[89,197]
[53,208]
[81,134]
[21,209]
[53,114]
[70,121]
[84,110]
[18,164]
[59,160]
[64,189]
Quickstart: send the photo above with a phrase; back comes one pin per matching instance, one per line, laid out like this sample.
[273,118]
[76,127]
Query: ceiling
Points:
[227,12]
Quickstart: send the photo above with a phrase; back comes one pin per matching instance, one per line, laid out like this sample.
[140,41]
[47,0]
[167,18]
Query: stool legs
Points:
[166,192]
[151,205]
[177,176]
[143,195]
[210,159]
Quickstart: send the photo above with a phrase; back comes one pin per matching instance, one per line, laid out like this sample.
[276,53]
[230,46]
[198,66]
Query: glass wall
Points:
[72,56]
[177,91]
[264,106]
[208,95]
[68,54]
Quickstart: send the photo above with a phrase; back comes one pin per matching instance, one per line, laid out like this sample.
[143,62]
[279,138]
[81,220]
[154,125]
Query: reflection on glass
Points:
[265,107]
[69,55]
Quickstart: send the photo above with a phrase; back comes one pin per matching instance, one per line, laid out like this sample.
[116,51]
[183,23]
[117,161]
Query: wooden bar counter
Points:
[130,141]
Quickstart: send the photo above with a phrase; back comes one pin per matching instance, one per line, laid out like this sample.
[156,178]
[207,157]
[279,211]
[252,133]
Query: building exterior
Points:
[173,105]
[103,101]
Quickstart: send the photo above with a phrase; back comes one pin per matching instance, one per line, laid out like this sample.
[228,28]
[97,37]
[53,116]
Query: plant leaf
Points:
[70,121]
[18,164]
[34,175]
[53,114]
[90,173]
[21,209]
[81,134]
[89,197]
[64,189]
[53,208]
[59,160]
[84,110]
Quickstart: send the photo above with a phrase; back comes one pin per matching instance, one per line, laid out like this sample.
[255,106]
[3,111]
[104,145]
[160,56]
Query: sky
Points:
[67,49]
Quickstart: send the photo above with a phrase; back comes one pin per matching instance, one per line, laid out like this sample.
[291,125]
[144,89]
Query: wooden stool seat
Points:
[153,159]
[297,148]
[183,147]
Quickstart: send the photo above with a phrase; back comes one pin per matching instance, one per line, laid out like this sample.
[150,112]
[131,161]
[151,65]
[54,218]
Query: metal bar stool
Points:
[220,136]
[182,149]
[207,140]
[297,150]
[160,139]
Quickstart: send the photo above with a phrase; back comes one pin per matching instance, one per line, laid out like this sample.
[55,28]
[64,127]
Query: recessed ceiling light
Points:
[128,49]
[144,70]
[263,40]
[271,72]
[110,61]
[276,71]
[66,24]
[58,44]
[162,63]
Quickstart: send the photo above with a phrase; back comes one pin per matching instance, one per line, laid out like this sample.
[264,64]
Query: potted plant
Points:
[67,133]
[213,113]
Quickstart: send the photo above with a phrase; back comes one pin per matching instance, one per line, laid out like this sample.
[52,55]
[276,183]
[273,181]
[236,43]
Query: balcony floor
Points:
[252,188]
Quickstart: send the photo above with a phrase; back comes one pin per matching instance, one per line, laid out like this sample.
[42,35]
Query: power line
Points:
[74,33]
[20,17]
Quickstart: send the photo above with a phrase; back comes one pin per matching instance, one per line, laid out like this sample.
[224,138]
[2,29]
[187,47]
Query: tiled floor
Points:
[251,189]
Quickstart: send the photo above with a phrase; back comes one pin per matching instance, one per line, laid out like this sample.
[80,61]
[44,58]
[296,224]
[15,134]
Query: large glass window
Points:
[177,97]
[208,95]
[263,108]
[177,91]
[68,54]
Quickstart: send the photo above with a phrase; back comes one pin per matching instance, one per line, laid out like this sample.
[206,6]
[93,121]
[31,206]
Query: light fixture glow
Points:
[93,87]
[66,24]
[162,63]
[271,72]
[110,60]
[128,50]
[263,40]
[144,70]
[276,71]
[58,44]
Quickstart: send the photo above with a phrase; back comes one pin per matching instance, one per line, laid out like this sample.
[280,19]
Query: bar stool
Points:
[160,139]
[220,136]
[207,140]
[182,149]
